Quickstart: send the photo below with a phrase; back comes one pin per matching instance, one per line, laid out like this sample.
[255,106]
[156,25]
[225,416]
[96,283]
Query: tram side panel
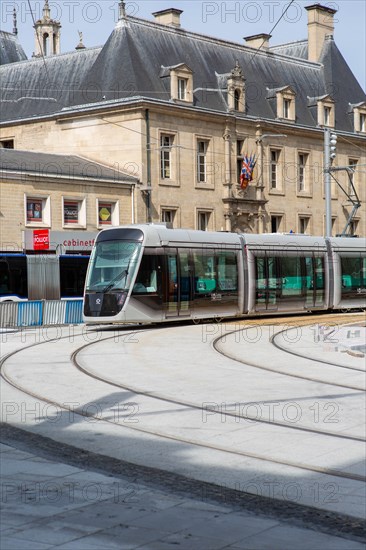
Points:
[287,274]
[348,263]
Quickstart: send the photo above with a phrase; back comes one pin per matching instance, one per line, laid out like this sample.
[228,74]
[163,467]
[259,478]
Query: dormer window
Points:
[359,117]
[286,104]
[326,115]
[282,101]
[362,122]
[181,82]
[236,90]
[327,111]
[286,108]
[182,89]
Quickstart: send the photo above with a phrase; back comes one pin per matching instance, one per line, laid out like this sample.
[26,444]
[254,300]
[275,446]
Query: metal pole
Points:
[148,167]
[327,185]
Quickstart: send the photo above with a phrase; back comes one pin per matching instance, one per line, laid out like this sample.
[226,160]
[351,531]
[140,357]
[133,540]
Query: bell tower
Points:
[47,34]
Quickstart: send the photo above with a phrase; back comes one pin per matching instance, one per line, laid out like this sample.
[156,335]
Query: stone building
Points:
[178,110]
[65,197]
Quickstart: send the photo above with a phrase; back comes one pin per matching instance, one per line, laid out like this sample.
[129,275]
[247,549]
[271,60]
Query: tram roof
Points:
[287,241]
[160,235]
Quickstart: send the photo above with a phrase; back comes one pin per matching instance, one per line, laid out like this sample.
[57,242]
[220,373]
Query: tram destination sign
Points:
[58,241]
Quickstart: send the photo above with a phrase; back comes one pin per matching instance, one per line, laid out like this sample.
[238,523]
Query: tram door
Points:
[178,283]
[267,284]
[315,282]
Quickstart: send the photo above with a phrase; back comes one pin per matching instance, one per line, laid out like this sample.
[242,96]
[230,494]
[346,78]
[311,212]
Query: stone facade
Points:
[187,153]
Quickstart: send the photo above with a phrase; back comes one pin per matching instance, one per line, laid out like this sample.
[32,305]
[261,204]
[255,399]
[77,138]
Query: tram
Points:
[150,273]
[41,276]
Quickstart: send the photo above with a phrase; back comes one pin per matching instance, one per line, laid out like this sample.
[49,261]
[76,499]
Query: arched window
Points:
[45,43]
[237,95]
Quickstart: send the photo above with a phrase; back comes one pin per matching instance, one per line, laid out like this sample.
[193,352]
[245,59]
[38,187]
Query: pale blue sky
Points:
[230,20]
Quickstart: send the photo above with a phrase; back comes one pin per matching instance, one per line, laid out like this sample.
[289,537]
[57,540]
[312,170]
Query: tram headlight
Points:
[121,298]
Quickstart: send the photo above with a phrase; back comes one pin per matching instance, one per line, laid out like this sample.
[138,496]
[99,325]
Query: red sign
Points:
[41,239]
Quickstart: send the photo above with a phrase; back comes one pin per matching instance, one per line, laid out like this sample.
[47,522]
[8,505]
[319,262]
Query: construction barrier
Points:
[40,312]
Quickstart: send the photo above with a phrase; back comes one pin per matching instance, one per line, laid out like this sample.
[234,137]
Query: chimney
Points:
[169,17]
[320,24]
[258,41]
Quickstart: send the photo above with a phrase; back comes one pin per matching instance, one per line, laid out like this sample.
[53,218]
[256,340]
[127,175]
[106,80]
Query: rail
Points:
[40,312]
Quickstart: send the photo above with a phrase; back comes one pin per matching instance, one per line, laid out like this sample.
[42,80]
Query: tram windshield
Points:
[112,266]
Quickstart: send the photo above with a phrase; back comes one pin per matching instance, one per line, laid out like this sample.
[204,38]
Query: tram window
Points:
[146,280]
[227,271]
[292,281]
[353,274]
[13,276]
[72,276]
[204,270]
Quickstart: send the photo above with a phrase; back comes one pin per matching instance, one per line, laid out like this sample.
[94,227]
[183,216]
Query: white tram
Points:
[150,273]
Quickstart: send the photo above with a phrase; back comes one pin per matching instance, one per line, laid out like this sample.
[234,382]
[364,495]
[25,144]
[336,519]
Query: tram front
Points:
[111,273]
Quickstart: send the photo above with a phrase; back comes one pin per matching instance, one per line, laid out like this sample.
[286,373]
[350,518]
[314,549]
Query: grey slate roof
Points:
[131,65]
[10,48]
[66,166]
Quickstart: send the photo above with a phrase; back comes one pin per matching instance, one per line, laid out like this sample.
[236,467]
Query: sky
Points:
[230,20]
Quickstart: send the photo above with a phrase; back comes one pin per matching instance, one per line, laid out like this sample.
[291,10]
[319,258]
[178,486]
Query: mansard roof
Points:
[128,68]
[11,50]
[73,167]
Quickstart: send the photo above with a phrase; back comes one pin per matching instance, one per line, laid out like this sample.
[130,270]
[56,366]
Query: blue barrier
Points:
[30,314]
[41,312]
[74,312]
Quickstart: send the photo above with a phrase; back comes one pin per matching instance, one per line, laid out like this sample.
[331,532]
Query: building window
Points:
[363,122]
[274,168]
[286,108]
[35,210]
[166,144]
[107,213]
[168,216]
[38,210]
[7,144]
[202,161]
[353,227]
[239,158]
[182,88]
[327,111]
[203,220]
[301,176]
[352,163]
[71,212]
[237,96]
[303,224]
[276,223]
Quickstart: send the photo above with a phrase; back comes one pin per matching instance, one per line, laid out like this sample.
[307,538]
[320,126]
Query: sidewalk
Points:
[210,434]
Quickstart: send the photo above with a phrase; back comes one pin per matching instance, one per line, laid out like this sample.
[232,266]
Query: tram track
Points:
[300,322]
[192,405]
[159,433]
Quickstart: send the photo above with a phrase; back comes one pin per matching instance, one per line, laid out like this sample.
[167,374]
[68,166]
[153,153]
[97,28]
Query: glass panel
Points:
[260,281]
[105,213]
[185,282]
[112,265]
[273,282]
[227,271]
[204,272]
[72,275]
[291,277]
[353,276]
[172,285]
[146,281]
[13,276]
[71,212]
[34,210]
